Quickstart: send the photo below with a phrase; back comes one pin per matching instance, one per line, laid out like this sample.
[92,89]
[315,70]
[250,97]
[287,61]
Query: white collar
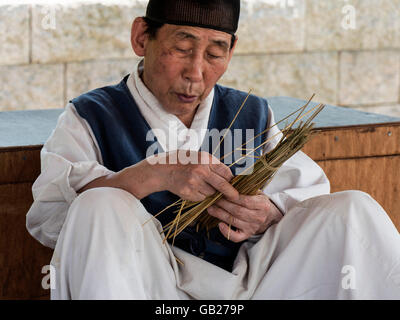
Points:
[176,134]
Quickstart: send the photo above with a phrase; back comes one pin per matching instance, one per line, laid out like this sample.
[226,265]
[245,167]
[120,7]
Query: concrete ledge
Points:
[27,128]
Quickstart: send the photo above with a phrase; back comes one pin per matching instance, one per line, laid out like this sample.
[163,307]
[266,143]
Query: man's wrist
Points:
[141,179]
[275,216]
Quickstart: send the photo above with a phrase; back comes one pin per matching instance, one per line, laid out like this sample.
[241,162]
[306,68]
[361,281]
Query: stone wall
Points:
[345,51]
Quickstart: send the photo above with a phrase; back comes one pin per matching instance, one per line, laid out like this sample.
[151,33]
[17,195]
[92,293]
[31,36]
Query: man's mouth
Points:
[186,98]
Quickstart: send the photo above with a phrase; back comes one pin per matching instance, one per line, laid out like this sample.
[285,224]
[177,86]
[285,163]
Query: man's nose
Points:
[194,69]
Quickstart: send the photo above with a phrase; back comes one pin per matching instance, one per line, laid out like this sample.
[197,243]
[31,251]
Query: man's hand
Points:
[250,215]
[198,180]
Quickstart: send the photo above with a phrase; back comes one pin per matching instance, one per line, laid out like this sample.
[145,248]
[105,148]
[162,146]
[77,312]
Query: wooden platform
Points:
[357,150]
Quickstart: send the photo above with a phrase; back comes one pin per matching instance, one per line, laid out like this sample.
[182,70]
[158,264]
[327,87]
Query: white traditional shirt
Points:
[71,158]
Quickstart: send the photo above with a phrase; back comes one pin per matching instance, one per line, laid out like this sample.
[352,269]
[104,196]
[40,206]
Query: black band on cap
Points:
[222,15]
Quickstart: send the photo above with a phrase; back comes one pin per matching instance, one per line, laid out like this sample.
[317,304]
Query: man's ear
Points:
[139,37]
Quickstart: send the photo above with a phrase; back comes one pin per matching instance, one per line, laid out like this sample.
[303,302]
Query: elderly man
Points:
[99,186]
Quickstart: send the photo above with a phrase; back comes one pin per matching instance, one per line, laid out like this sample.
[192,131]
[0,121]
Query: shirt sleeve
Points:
[70,159]
[298,179]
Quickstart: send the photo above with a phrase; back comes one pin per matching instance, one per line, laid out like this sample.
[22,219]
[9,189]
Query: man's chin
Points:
[180,109]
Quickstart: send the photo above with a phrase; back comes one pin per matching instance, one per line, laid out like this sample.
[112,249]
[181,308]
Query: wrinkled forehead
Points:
[197,35]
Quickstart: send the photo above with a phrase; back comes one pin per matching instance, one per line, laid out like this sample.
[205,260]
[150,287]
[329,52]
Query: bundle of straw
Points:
[263,170]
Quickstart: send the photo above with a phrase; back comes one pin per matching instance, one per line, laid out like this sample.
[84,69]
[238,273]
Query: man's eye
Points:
[213,56]
[185,51]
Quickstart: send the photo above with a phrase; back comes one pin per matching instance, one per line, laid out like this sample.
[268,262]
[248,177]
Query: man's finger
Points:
[253,202]
[236,210]
[206,189]
[222,170]
[226,217]
[194,196]
[223,186]
[233,235]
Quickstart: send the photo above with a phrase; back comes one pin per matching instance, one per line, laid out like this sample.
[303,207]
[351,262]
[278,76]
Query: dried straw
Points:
[263,170]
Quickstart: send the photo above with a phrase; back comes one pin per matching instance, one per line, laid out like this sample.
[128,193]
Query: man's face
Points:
[182,65]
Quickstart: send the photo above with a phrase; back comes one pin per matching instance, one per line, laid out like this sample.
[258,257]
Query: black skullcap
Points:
[222,15]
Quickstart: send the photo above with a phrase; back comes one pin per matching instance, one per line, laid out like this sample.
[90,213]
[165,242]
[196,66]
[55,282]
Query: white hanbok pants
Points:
[337,246]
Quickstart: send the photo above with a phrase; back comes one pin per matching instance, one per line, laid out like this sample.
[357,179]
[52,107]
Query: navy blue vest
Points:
[121,131]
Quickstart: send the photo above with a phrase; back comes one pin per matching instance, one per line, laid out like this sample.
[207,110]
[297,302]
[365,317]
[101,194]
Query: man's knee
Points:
[103,204]
[104,197]
[357,199]
[101,195]
[355,205]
